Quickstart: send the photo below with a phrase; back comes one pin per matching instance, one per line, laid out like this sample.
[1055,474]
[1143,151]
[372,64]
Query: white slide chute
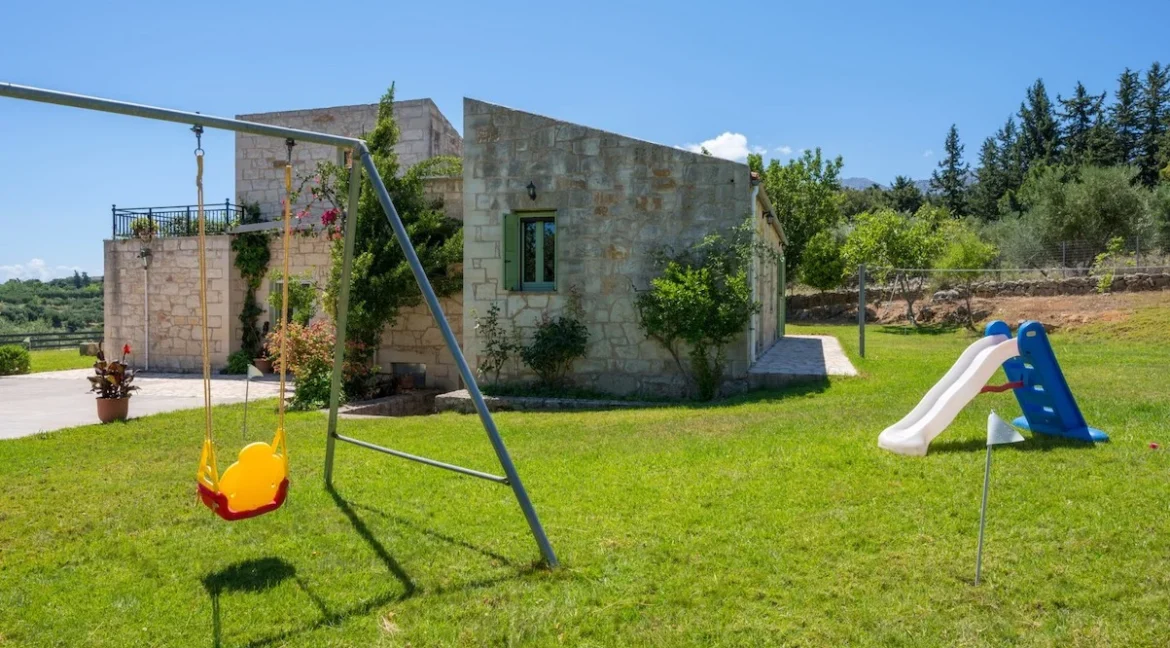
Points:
[913,434]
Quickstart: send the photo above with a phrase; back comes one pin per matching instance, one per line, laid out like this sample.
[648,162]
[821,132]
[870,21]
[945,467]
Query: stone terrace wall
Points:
[415,338]
[260,160]
[175,332]
[615,199]
[1024,288]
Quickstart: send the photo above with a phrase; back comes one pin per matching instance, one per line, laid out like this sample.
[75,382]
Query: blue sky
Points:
[878,83]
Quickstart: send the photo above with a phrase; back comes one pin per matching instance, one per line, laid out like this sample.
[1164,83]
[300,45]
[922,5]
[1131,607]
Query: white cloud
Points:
[784,150]
[35,269]
[729,146]
[927,153]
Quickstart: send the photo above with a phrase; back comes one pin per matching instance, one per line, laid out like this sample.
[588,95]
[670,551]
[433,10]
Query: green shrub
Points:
[700,303]
[497,344]
[14,359]
[310,359]
[822,265]
[558,343]
[237,363]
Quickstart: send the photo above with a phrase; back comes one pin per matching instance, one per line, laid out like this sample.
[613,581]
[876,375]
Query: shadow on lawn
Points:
[410,589]
[1035,443]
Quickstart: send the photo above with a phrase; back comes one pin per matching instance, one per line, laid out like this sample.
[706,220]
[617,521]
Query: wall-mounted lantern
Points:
[532,190]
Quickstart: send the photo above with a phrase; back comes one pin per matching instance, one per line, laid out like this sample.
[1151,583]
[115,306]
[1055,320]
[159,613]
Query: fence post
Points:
[227,214]
[113,222]
[150,218]
[1063,257]
[187,222]
[861,309]
[1137,254]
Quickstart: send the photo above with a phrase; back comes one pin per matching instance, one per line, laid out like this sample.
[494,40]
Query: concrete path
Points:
[42,402]
[800,358]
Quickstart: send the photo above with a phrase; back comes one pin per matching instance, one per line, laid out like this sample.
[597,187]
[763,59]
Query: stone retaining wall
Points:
[1137,282]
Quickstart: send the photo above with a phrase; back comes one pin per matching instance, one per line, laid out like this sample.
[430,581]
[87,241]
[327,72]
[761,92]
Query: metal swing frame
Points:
[358,146]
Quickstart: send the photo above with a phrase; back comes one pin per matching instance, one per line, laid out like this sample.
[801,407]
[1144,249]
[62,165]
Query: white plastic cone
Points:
[999,432]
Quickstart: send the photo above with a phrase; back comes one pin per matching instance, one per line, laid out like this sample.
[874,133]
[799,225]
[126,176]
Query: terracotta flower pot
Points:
[113,409]
[263,364]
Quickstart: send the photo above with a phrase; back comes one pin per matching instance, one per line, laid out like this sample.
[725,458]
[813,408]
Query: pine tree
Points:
[990,183]
[949,180]
[77,279]
[1153,113]
[1040,138]
[1124,119]
[1078,116]
[904,195]
[1011,155]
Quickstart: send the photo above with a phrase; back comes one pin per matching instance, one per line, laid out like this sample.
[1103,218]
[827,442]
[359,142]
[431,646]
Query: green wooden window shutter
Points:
[511,252]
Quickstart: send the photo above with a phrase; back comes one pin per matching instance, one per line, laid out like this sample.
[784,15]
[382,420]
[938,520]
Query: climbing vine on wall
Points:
[251,259]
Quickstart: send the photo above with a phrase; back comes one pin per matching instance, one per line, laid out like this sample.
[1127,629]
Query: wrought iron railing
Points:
[180,220]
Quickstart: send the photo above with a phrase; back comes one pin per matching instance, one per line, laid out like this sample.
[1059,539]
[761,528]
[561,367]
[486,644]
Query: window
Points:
[277,286]
[530,252]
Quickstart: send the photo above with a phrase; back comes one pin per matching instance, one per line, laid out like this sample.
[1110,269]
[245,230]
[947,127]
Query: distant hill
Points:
[33,306]
[860,184]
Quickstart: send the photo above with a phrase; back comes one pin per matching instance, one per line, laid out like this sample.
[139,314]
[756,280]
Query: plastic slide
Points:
[1034,376]
[912,435]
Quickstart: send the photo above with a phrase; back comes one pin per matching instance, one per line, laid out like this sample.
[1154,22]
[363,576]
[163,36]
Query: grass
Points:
[59,360]
[770,520]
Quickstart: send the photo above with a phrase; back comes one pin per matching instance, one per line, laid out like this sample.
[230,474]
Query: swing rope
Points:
[289,144]
[209,449]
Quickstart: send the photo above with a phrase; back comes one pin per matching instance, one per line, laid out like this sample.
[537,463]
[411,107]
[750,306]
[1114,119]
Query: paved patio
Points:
[43,402]
[800,358]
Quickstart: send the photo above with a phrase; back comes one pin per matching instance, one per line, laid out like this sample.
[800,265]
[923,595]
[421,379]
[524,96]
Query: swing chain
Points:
[198,130]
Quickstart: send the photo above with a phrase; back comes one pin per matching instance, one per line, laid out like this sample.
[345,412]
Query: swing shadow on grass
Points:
[274,570]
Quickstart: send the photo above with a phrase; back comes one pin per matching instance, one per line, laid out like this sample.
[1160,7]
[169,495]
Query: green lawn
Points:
[770,520]
[59,359]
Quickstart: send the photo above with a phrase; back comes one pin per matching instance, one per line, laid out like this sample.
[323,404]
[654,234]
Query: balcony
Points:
[179,220]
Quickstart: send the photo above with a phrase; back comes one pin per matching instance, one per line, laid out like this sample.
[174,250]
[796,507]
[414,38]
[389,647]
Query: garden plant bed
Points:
[460,401]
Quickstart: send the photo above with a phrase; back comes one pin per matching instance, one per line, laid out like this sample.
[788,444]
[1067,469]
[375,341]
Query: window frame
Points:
[513,252]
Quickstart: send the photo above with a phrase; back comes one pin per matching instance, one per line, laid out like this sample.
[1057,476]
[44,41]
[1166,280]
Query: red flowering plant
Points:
[114,378]
[324,194]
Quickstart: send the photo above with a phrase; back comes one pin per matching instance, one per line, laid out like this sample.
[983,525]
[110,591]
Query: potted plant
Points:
[264,362]
[112,382]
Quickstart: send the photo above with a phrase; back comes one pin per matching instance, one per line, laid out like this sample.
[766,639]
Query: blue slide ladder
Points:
[1047,402]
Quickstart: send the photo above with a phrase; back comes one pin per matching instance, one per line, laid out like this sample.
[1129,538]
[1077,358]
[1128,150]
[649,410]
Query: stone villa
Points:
[547,207]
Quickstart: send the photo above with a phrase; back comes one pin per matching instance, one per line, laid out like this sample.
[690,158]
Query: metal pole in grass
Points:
[998,432]
[861,308]
[432,302]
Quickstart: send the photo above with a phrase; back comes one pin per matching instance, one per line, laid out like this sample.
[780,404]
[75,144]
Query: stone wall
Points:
[615,199]
[448,191]
[175,331]
[260,160]
[416,339]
